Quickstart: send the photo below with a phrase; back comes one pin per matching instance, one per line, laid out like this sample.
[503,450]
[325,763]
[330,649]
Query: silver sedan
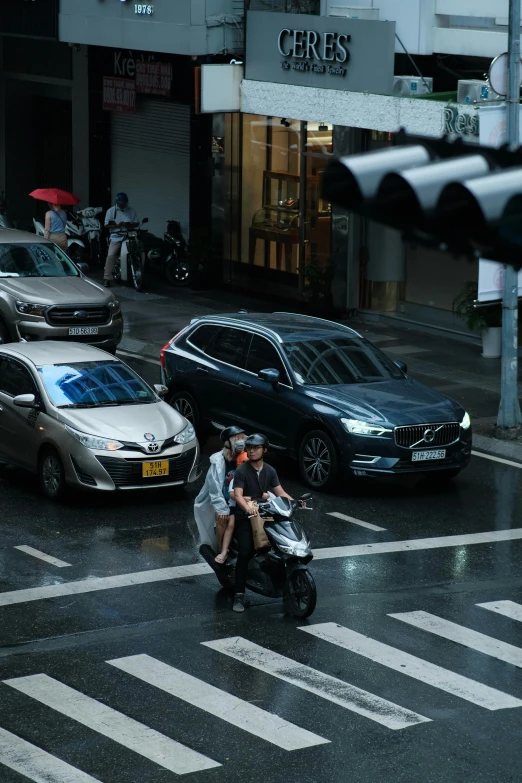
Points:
[77,416]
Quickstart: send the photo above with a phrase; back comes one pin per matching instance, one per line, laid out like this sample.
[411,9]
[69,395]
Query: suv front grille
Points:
[90,316]
[425,435]
[128,473]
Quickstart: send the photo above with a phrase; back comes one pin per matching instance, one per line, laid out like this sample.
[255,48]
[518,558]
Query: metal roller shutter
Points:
[151,161]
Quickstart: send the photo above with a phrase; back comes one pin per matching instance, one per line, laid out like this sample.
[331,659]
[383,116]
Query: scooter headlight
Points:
[299,549]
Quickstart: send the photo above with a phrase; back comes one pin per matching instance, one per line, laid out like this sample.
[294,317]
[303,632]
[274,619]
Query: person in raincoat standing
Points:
[211,507]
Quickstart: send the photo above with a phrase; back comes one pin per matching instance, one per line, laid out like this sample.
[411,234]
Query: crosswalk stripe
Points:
[36,764]
[414,667]
[29,550]
[354,521]
[219,703]
[120,728]
[507,608]
[337,691]
[462,635]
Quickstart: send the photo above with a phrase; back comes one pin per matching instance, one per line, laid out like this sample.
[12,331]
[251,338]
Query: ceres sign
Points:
[314,49]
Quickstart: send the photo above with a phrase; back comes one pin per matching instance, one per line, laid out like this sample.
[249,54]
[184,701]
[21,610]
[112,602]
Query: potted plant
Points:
[318,285]
[487,319]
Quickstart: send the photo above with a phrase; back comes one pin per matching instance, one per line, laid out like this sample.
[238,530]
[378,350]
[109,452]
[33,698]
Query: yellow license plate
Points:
[155,469]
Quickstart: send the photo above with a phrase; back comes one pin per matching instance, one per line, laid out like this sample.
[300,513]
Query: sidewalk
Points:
[444,362]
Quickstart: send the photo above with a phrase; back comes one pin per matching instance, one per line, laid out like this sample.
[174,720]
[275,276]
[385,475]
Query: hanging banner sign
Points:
[119,94]
[491,281]
[153,78]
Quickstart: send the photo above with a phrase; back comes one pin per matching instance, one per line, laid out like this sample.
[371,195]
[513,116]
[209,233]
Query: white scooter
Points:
[92,231]
[129,268]
[75,246]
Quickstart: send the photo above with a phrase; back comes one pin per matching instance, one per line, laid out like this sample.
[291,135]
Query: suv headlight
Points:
[30,308]
[186,435]
[94,442]
[466,422]
[357,427]
[114,306]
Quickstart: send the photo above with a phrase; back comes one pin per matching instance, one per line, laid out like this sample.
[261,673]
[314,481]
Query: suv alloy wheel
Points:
[318,463]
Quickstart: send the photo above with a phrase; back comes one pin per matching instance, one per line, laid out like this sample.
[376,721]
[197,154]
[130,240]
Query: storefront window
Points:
[317,211]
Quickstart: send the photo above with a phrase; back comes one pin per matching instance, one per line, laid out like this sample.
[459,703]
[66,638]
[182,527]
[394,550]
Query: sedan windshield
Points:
[339,360]
[94,384]
[41,259]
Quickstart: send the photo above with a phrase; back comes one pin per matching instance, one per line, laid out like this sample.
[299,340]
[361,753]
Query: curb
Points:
[501,448]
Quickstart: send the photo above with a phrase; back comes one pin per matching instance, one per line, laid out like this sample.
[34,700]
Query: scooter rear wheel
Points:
[301,593]
[208,553]
[177,271]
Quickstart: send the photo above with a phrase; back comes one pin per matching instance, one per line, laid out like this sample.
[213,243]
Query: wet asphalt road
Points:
[434,725]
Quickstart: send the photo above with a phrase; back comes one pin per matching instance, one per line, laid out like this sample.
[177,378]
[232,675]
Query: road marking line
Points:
[404,350]
[42,556]
[219,703]
[200,569]
[337,691]
[507,608]
[414,667]
[462,635]
[138,356]
[354,521]
[36,764]
[156,747]
[497,459]
[378,338]
[414,544]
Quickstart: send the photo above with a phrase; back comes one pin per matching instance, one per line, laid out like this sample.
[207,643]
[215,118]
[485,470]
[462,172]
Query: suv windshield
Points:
[93,384]
[339,360]
[41,259]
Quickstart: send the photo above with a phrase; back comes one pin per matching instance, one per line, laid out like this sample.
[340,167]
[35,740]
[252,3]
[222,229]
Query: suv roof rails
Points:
[324,320]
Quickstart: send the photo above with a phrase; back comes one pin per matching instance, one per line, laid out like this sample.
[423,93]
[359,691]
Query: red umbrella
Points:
[55,196]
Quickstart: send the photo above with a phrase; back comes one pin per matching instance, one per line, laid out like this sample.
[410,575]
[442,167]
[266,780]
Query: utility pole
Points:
[509,417]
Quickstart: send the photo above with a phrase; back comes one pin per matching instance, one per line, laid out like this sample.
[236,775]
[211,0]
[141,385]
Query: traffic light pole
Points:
[509,417]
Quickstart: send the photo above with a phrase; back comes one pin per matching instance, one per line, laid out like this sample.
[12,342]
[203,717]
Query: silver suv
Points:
[44,296]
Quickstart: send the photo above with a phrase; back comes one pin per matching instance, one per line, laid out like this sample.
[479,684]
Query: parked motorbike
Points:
[5,220]
[92,231]
[74,231]
[129,267]
[281,570]
[169,257]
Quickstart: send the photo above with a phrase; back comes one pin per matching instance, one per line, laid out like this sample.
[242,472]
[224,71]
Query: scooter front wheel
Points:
[301,593]
[136,272]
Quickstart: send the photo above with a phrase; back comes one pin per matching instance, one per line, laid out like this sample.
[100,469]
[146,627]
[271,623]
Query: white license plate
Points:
[423,456]
[83,330]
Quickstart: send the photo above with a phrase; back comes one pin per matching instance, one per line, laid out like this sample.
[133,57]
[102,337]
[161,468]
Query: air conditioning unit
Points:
[475,91]
[411,86]
[354,13]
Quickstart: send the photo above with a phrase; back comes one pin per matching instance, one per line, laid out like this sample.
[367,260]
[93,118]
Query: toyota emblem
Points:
[429,436]
[153,448]
[149,437]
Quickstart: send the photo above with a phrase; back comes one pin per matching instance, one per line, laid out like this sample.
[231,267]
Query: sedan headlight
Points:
[31,308]
[357,427]
[186,435]
[94,442]
[114,306]
[466,422]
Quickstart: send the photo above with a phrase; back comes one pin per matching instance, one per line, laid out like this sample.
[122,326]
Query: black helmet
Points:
[229,432]
[121,198]
[257,439]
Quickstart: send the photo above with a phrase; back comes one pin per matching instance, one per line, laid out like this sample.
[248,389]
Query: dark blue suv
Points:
[319,391]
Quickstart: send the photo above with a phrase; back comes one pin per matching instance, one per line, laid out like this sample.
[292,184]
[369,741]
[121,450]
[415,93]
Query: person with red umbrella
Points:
[56,217]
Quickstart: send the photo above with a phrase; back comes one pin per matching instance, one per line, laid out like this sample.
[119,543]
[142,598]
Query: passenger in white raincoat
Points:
[211,502]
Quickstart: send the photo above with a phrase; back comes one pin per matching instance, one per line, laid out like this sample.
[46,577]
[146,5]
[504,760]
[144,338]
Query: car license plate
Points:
[83,330]
[423,456]
[155,469]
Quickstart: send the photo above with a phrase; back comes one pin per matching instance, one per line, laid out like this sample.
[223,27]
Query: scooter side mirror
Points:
[145,220]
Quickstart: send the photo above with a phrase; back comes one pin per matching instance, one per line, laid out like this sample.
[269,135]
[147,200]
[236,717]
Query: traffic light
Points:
[459,197]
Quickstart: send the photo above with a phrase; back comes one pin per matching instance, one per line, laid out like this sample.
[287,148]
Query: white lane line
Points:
[415,544]
[462,635]
[219,703]
[29,550]
[354,521]
[507,608]
[414,667]
[199,569]
[156,747]
[337,691]
[102,583]
[378,338]
[497,459]
[138,356]
[36,764]
[404,350]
